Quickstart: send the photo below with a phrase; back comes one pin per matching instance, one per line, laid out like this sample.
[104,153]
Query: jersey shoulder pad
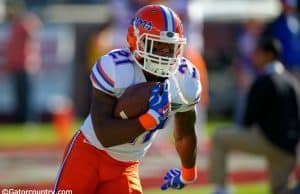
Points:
[113,71]
[187,82]
[188,69]
[103,75]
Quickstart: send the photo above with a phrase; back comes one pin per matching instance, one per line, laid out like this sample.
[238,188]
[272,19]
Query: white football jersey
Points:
[116,71]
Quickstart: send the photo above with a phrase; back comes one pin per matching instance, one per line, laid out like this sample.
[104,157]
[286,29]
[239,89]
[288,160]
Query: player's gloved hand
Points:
[159,107]
[172,179]
[175,179]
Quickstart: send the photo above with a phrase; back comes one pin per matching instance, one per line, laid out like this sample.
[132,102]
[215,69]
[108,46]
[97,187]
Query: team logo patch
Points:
[147,25]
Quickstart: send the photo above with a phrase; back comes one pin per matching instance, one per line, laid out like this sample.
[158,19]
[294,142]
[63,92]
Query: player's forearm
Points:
[186,147]
[185,138]
[116,131]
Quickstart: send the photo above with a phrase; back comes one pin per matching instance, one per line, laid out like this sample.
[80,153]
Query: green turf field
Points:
[256,188]
[14,135]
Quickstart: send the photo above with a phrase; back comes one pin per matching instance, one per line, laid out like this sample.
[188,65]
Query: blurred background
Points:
[47,49]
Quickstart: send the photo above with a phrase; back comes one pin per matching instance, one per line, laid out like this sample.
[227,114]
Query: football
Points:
[134,101]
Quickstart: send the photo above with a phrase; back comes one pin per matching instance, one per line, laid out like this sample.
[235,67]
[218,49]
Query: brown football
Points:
[134,101]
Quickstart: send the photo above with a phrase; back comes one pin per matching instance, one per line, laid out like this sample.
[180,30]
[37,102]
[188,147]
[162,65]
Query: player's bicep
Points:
[184,123]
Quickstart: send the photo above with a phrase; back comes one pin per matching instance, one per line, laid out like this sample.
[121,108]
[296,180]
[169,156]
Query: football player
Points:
[103,156]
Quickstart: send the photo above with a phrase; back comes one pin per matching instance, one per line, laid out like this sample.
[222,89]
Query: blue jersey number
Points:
[183,67]
[120,57]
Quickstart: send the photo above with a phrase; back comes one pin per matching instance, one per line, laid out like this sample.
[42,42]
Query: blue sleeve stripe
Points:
[104,75]
[99,77]
[99,85]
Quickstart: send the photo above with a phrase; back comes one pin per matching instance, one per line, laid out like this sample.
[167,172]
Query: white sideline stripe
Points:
[64,161]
